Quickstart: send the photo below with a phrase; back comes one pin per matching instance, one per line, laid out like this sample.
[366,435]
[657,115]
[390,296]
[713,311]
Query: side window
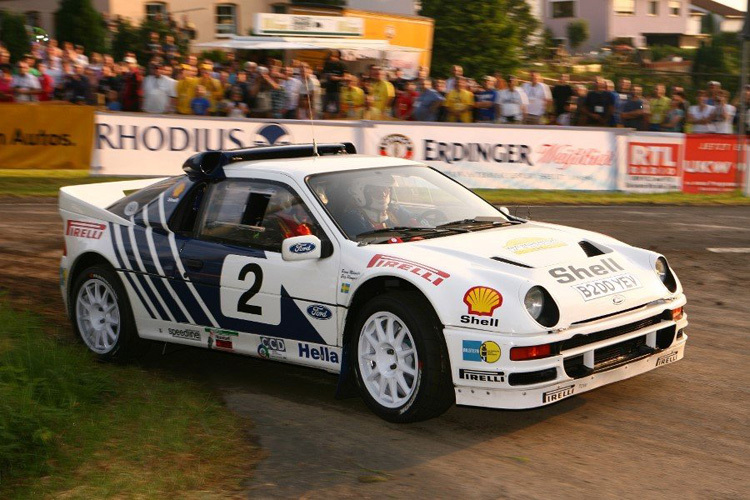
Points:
[259,214]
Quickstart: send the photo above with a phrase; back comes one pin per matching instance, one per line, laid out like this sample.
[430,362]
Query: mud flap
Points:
[347,386]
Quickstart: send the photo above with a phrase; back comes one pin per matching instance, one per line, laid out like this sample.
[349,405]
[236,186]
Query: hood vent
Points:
[513,263]
[590,249]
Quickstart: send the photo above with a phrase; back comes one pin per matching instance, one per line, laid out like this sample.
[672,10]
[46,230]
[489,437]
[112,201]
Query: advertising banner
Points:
[710,163]
[652,163]
[494,157]
[46,136]
[138,144]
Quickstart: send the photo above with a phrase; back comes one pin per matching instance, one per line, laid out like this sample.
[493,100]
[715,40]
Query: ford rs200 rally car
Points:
[381,269]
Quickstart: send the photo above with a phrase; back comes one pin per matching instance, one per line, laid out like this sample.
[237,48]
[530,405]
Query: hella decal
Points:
[572,273]
[300,248]
[318,311]
[322,353]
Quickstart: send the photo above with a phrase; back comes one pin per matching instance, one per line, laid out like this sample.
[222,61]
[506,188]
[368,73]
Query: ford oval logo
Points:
[618,299]
[302,248]
[319,312]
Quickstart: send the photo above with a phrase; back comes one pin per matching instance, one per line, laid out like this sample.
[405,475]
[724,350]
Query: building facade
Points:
[636,22]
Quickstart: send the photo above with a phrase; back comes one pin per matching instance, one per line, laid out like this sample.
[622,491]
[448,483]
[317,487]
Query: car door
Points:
[234,262]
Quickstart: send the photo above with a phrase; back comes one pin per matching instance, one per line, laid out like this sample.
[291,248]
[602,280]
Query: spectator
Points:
[577,117]
[660,106]
[291,86]
[170,49]
[486,101]
[212,89]
[405,102]
[673,120]
[561,94]
[131,85]
[539,97]
[712,90]
[333,74]
[26,86]
[513,102]
[159,93]
[278,96]
[634,110]
[199,104]
[107,83]
[383,94]
[457,72]
[701,115]
[352,104]
[113,101]
[6,83]
[623,94]
[77,86]
[79,56]
[46,82]
[185,89]
[235,106]
[460,102]
[565,118]
[309,93]
[429,103]
[153,46]
[723,115]
[599,106]
[615,119]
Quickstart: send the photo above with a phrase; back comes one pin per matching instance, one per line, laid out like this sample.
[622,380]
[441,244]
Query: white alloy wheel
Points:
[98,315]
[387,358]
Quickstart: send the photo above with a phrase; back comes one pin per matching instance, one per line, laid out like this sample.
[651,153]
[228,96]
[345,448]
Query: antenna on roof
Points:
[312,117]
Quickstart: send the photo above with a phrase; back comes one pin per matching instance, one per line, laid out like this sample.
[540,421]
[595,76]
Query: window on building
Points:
[674,7]
[653,7]
[625,7]
[562,9]
[226,19]
[33,18]
[156,11]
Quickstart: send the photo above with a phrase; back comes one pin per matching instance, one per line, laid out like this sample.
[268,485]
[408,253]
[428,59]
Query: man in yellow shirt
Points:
[660,106]
[460,102]
[185,89]
[352,99]
[383,94]
[214,90]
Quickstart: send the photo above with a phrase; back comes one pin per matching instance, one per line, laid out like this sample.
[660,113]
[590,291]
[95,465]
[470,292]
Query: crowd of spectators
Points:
[170,83]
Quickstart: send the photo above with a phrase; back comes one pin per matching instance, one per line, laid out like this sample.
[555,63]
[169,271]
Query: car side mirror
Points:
[504,210]
[306,247]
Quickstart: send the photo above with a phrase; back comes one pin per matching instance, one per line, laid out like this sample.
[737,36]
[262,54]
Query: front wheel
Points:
[102,317]
[400,359]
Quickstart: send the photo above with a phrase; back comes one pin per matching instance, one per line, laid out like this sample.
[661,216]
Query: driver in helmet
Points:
[372,208]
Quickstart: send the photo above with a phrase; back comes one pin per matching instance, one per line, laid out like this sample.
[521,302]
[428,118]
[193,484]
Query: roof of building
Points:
[718,8]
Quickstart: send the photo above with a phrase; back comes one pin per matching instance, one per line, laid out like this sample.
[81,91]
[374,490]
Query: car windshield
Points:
[401,203]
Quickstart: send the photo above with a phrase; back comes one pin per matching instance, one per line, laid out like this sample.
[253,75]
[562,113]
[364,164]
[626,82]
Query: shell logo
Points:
[482,300]
[177,191]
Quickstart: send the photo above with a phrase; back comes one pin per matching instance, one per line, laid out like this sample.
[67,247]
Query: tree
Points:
[126,39]
[13,34]
[578,33]
[708,24]
[483,38]
[77,21]
[709,60]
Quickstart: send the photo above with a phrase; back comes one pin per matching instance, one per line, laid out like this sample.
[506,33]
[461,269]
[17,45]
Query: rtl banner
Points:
[653,163]
[710,163]
[46,136]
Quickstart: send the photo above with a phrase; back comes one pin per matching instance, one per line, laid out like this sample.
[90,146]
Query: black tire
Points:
[128,345]
[434,392]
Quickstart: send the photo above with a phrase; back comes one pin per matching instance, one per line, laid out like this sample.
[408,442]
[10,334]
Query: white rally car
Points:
[380,269]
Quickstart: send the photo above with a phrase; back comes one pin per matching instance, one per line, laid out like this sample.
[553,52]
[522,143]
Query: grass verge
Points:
[46,183]
[72,427]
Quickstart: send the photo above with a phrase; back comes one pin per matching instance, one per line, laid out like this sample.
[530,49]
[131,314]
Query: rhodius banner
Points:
[43,136]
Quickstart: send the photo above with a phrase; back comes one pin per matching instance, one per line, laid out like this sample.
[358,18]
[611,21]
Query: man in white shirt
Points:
[25,85]
[701,115]
[724,112]
[291,87]
[159,91]
[513,102]
[540,98]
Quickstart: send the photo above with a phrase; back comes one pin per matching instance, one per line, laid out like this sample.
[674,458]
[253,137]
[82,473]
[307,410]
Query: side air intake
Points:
[590,249]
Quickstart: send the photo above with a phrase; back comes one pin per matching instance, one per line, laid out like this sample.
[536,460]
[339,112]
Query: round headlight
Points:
[534,302]
[661,269]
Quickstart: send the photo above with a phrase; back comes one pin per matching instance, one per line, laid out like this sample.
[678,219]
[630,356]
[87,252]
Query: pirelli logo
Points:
[434,276]
[80,229]
[557,395]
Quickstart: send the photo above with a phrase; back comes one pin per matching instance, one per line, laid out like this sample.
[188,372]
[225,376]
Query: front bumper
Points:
[590,355]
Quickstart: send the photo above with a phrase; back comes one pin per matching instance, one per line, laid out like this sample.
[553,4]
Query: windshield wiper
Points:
[400,229]
[494,221]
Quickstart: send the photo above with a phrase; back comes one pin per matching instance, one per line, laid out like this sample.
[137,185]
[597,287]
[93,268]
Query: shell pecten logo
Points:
[482,300]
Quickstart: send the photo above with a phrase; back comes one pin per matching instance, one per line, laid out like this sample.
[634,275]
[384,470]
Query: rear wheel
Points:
[102,316]
[400,358]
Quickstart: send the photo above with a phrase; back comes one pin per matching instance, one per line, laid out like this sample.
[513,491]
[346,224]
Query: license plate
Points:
[604,287]
[667,358]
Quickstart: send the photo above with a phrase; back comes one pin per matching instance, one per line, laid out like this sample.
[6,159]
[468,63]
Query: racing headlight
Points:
[541,307]
[665,274]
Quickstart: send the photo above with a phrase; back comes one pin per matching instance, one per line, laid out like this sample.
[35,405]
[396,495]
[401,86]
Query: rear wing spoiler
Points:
[92,200]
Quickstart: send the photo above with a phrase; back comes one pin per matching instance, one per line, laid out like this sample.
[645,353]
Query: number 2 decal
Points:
[242,303]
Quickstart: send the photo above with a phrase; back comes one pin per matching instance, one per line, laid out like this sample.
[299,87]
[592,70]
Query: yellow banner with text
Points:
[46,136]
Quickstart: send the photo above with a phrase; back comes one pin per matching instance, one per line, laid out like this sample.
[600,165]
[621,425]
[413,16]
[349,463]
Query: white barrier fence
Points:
[477,155]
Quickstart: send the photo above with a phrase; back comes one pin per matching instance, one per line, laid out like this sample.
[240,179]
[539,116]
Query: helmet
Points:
[364,191]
